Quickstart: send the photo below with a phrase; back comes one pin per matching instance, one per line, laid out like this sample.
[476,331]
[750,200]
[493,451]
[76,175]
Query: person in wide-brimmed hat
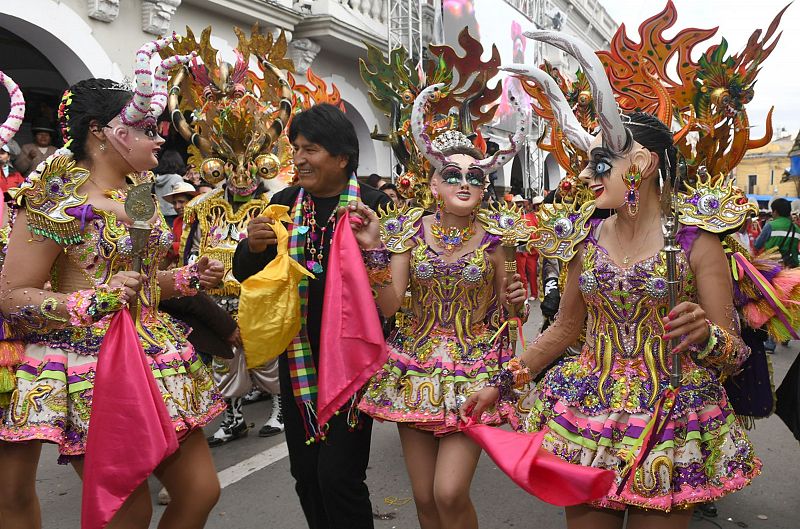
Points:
[34,153]
[182,192]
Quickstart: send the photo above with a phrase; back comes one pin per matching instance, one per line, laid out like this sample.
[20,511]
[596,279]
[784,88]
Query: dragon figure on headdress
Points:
[465,102]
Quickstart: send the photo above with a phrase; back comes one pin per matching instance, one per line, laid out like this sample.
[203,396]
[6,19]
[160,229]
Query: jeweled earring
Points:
[633,178]
[103,146]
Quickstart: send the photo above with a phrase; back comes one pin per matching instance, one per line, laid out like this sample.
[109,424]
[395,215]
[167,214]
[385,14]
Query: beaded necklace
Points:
[452,238]
[315,241]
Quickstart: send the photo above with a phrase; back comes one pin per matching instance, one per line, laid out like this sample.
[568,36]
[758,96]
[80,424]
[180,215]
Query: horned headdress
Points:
[237,115]
[150,93]
[16,112]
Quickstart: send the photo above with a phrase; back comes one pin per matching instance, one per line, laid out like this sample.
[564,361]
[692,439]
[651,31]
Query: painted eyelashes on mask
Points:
[601,163]
[453,176]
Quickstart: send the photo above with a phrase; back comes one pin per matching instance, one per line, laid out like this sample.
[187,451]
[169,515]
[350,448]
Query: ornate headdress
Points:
[238,115]
[150,92]
[708,98]
[463,103]
[433,149]
[15,114]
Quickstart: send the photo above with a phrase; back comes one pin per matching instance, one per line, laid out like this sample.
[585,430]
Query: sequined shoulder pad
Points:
[190,209]
[47,196]
[561,229]
[398,226]
[714,205]
[505,222]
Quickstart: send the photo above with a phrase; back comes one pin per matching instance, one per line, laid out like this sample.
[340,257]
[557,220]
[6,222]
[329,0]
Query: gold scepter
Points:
[669,227]
[507,222]
[140,206]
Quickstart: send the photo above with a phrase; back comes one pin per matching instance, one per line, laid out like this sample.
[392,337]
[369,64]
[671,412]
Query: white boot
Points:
[274,424]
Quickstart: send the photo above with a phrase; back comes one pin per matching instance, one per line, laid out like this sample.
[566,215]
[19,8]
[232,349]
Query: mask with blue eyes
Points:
[600,167]
[453,175]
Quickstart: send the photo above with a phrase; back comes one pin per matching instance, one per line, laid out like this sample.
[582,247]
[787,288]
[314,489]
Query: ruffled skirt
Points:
[426,389]
[53,398]
[702,455]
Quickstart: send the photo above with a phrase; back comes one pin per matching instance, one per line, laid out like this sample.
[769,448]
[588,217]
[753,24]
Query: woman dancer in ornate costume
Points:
[602,406]
[71,230]
[444,351]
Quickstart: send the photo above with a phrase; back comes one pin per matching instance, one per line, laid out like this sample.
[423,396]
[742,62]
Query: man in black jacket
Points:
[330,472]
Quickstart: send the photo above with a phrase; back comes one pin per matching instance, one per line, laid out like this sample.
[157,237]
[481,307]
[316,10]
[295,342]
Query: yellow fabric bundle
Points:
[269,305]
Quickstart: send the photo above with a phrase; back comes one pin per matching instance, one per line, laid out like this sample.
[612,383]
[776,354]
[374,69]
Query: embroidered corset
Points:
[450,301]
[623,328]
[105,250]
[96,245]
[220,230]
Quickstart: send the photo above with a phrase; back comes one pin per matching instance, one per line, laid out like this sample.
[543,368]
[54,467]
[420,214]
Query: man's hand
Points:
[260,234]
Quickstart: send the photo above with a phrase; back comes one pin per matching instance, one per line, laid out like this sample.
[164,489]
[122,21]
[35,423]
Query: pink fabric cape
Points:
[352,347]
[130,430]
[537,471]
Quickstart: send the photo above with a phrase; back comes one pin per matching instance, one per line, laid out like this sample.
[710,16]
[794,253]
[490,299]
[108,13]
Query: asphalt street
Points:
[258,491]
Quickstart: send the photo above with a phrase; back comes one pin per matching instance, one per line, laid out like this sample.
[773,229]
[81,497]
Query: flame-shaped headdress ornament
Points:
[15,114]
[563,112]
[432,150]
[150,93]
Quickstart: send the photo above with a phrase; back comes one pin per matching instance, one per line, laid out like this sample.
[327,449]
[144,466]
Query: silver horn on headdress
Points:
[433,153]
[572,128]
[421,138]
[15,114]
[614,133]
[139,107]
[502,156]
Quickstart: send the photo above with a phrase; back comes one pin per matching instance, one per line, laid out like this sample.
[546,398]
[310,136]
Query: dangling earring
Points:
[633,178]
[103,146]
[439,203]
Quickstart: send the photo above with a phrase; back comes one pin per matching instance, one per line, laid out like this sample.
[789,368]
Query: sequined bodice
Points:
[625,307]
[107,249]
[449,301]
[454,294]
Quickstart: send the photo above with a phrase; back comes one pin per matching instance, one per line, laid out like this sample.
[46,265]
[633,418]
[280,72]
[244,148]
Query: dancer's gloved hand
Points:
[260,234]
[515,292]
[552,298]
[130,281]
[366,225]
[479,402]
[210,272]
[686,321]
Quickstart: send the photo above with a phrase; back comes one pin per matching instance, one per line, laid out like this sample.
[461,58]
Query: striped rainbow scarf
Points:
[302,370]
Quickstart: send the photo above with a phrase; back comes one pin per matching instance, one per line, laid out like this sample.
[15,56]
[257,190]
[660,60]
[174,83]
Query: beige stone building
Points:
[761,171]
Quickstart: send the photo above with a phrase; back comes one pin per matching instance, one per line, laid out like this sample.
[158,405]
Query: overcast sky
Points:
[779,80]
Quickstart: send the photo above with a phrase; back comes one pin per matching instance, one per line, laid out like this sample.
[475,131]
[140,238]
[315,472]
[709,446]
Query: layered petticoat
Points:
[53,398]
[702,456]
[424,386]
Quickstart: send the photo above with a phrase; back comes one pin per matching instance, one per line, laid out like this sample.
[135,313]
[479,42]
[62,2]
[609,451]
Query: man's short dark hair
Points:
[170,162]
[782,207]
[391,186]
[326,125]
[373,179]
